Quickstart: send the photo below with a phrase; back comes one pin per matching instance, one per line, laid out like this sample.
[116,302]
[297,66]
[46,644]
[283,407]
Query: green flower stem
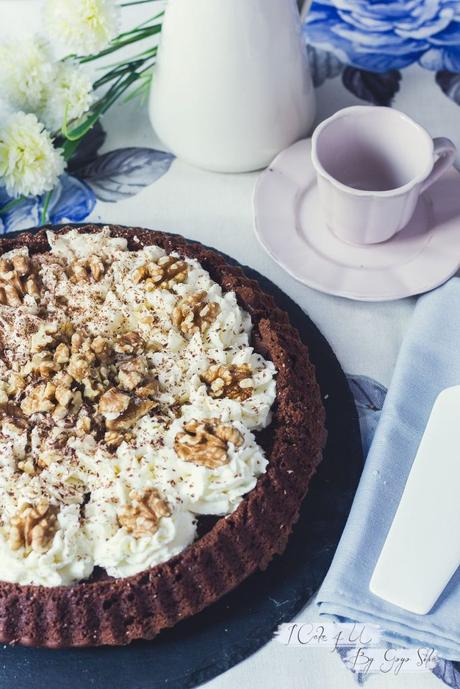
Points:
[11,204]
[147,32]
[141,28]
[142,89]
[46,203]
[136,2]
[127,67]
[128,61]
[141,25]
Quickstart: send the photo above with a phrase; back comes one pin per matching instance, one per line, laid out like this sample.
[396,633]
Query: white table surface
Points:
[217,210]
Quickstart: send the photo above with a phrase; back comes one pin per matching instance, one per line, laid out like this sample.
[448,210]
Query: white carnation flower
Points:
[29,163]
[70,96]
[26,72]
[82,26]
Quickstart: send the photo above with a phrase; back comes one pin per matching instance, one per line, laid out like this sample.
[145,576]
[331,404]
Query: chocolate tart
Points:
[105,611]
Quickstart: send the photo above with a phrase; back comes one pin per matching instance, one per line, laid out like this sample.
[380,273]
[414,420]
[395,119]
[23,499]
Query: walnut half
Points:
[142,517]
[194,314]
[86,269]
[232,381]
[206,442]
[33,526]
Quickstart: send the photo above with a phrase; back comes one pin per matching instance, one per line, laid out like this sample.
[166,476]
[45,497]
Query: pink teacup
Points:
[372,164]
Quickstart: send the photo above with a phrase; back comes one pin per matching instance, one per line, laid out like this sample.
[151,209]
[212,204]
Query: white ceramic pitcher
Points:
[232,85]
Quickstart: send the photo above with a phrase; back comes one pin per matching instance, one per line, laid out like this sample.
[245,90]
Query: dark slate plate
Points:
[229,631]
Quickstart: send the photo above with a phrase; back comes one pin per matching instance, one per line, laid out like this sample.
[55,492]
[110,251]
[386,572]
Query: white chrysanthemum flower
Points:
[70,96]
[29,163]
[26,72]
[82,26]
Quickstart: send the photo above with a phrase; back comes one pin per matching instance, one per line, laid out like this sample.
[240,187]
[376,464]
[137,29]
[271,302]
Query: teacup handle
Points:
[445,151]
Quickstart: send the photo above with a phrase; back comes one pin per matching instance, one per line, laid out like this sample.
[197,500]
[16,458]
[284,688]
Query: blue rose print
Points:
[380,36]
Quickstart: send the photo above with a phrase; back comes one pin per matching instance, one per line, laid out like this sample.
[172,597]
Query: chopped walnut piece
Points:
[61,353]
[86,268]
[100,345]
[142,517]
[129,343]
[141,273]
[3,393]
[113,402]
[16,384]
[17,278]
[194,314]
[48,457]
[135,411]
[113,439]
[206,442]
[11,414]
[41,364]
[92,389]
[47,367]
[39,399]
[76,342]
[53,397]
[96,267]
[79,366]
[63,378]
[132,372]
[59,412]
[27,466]
[83,425]
[129,380]
[136,364]
[77,402]
[63,395]
[163,273]
[33,527]
[44,338]
[149,389]
[233,381]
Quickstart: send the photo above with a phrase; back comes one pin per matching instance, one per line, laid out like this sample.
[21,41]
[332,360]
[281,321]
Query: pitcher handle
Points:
[445,152]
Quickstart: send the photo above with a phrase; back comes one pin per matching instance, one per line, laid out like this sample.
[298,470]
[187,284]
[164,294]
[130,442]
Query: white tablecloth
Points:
[217,210]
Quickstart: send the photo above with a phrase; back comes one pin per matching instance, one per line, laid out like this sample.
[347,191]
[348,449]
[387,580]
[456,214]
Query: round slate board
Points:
[229,631]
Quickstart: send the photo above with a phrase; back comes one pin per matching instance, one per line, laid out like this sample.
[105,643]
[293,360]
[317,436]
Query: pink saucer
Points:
[290,227]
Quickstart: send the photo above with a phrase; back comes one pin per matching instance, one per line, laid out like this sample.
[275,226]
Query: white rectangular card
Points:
[422,549]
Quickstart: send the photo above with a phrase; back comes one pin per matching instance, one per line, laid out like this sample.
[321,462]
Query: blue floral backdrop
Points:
[379,36]
[372,40]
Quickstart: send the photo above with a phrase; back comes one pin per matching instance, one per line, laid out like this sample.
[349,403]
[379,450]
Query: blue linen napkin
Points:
[429,361]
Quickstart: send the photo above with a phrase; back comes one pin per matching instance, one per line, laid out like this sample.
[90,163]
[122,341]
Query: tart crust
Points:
[118,611]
